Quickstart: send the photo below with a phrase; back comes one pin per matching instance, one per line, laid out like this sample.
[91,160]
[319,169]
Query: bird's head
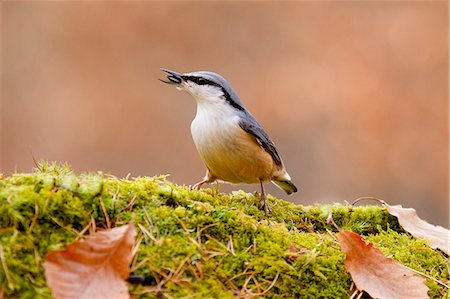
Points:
[204,87]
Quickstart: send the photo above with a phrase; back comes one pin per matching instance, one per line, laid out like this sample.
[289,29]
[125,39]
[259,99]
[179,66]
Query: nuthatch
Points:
[231,143]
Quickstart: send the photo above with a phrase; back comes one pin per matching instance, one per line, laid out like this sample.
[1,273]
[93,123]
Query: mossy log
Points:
[201,244]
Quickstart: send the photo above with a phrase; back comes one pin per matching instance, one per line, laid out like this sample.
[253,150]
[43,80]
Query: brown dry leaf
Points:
[438,236]
[294,252]
[379,276]
[93,268]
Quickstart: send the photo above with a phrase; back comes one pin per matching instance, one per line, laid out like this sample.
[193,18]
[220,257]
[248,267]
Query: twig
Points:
[94,226]
[36,164]
[183,225]
[178,271]
[200,268]
[37,258]
[354,293]
[151,270]
[70,229]
[140,264]
[331,220]
[238,275]
[147,233]
[35,217]
[195,243]
[368,198]
[331,235]
[230,246]
[200,231]
[258,294]
[131,203]
[136,249]
[257,284]
[5,268]
[108,222]
[116,194]
[427,276]
[150,223]
[248,248]
[80,235]
[217,241]
[271,285]
[244,287]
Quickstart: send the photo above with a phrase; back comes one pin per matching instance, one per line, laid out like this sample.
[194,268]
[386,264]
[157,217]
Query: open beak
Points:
[172,77]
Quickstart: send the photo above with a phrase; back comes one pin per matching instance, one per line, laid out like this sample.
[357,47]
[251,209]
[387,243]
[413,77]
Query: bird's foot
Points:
[265,204]
[197,186]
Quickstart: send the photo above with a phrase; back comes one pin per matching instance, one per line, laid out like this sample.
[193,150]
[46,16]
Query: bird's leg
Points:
[209,178]
[198,185]
[263,198]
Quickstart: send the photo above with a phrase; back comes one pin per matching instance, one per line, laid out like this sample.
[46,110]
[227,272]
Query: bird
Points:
[232,144]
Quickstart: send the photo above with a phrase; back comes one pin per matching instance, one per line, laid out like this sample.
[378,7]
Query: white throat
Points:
[215,116]
[203,93]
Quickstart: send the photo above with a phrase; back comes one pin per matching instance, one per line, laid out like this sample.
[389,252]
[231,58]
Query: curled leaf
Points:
[93,268]
[437,236]
[379,276]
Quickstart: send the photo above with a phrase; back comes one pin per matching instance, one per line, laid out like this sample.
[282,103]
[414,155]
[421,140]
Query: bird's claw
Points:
[195,187]
[265,205]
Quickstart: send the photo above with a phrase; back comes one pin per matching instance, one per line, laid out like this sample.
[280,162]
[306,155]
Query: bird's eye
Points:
[201,81]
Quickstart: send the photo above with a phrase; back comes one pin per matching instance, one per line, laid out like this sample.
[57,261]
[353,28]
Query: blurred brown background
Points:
[354,94]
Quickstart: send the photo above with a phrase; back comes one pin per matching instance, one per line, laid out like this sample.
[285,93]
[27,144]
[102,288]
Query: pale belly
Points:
[230,153]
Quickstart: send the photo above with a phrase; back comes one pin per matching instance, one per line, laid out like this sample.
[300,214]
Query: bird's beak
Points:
[173,77]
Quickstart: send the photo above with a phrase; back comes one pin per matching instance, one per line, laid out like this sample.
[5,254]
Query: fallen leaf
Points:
[379,276]
[294,252]
[437,236]
[93,268]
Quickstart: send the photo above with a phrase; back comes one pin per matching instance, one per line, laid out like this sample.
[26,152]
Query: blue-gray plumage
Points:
[232,144]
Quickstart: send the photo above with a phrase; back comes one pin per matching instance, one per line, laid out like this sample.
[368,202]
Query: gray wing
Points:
[251,126]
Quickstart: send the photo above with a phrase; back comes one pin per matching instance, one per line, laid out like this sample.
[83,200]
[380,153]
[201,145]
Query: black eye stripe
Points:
[204,81]
[200,80]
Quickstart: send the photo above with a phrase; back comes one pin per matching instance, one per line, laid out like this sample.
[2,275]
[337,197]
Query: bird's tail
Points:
[286,185]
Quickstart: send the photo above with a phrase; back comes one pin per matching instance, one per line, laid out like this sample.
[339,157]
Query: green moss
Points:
[415,254]
[205,243]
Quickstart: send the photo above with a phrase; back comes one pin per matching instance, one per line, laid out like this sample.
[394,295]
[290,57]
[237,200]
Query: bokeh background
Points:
[354,94]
